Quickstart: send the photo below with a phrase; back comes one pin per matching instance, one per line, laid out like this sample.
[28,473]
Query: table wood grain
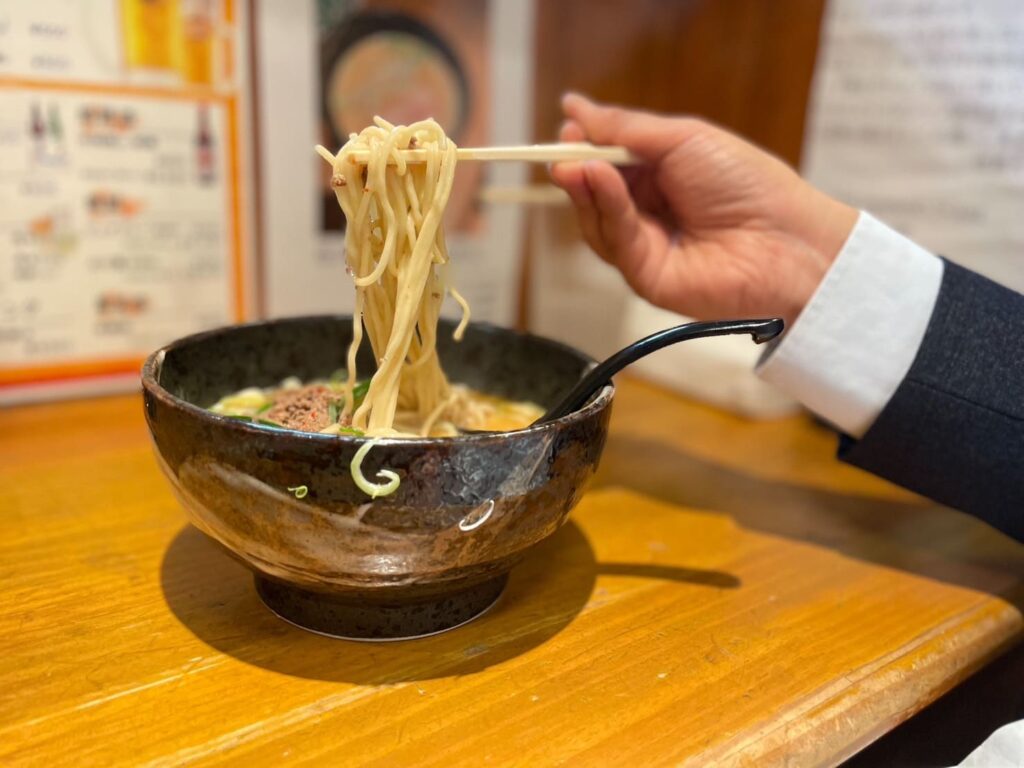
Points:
[726,593]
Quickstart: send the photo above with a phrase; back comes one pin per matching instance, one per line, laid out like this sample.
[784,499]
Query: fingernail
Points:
[586,184]
[569,96]
[590,168]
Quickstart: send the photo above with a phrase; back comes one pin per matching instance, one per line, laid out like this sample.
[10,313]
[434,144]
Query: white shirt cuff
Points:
[1004,747]
[854,342]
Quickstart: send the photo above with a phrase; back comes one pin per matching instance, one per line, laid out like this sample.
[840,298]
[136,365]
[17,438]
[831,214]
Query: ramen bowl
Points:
[432,555]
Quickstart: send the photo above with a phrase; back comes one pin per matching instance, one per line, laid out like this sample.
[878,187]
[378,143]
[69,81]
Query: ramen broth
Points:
[318,407]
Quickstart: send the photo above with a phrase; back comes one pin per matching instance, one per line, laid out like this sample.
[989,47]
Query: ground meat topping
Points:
[307,409]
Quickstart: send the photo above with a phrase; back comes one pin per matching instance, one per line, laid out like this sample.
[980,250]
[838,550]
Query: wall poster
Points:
[330,66]
[121,148]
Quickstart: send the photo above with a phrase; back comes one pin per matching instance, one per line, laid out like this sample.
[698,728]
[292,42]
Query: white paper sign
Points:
[918,116]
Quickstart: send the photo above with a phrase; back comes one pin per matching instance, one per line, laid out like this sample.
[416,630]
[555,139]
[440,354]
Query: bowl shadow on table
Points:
[912,535]
[213,596]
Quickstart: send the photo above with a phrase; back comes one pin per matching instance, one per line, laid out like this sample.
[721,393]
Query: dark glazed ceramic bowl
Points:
[432,555]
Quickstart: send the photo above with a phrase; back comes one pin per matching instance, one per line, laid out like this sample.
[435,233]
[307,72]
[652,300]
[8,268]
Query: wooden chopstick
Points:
[529,153]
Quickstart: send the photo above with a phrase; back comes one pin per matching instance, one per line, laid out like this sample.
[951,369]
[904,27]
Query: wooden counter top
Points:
[725,593]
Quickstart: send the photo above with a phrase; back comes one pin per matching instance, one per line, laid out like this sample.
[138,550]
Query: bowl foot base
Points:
[352,620]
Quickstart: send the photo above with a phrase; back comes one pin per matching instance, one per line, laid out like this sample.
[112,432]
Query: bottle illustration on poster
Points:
[206,157]
[46,132]
[37,132]
[56,152]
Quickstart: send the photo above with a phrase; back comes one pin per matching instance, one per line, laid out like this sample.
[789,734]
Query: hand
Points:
[708,225]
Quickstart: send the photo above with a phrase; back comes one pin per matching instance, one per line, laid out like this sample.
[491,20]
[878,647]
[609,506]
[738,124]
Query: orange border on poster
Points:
[44,374]
[38,374]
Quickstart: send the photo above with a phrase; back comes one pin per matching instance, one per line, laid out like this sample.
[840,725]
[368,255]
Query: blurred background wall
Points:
[157,173]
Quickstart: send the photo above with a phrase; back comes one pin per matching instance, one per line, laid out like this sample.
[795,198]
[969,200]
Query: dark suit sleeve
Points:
[954,429]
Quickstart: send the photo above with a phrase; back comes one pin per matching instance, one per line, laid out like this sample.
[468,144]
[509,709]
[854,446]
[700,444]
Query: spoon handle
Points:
[600,375]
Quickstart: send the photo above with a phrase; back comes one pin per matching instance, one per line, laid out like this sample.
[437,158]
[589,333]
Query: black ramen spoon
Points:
[601,374]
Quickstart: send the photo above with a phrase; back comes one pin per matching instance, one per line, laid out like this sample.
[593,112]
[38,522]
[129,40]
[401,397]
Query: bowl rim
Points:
[151,371]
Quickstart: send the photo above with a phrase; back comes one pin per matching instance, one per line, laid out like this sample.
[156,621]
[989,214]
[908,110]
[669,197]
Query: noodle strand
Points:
[394,243]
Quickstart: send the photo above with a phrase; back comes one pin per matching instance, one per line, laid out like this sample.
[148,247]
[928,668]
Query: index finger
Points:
[647,135]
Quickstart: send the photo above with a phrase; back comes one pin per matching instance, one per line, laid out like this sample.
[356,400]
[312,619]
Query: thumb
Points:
[647,135]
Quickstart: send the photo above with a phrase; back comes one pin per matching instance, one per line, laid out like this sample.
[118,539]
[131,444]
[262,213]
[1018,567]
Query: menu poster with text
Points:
[120,203]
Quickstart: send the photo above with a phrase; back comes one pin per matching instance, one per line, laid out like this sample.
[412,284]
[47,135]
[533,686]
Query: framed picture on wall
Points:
[326,68]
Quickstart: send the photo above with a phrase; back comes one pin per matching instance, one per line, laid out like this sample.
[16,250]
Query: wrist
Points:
[825,225]
[833,222]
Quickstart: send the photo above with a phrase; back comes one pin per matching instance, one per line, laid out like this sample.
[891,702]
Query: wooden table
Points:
[725,594]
